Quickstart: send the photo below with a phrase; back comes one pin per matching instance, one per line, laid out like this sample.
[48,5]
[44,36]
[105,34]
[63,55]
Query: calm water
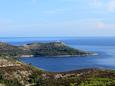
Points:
[104,46]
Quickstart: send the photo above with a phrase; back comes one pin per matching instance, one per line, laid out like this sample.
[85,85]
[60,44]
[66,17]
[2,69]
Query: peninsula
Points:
[41,49]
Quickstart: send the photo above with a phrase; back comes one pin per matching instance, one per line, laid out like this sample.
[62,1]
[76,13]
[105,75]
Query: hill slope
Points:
[15,73]
[41,49]
[9,50]
[53,49]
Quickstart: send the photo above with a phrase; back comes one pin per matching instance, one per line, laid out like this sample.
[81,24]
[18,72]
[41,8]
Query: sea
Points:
[103,46]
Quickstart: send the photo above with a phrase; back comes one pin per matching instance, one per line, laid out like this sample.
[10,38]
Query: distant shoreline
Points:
[29,56]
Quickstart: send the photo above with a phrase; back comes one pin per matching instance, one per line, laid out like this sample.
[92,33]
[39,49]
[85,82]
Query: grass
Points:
[98,82]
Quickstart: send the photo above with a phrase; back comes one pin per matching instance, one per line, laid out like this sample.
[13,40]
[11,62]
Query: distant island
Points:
[41,49]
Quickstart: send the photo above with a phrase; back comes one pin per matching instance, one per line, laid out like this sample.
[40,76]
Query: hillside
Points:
[9,50]
[53,49]
[15,73]
[40,49]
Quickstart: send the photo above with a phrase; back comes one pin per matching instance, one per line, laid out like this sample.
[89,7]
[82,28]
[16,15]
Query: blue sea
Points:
[104,46]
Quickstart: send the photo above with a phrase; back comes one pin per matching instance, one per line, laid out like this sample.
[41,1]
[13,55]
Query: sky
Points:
[36,18]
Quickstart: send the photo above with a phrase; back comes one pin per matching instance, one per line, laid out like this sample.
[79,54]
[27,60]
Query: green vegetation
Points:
[9,50]
[40,49]
[16,73]
[21,74]
[52,49]
[98,82]
[9,82]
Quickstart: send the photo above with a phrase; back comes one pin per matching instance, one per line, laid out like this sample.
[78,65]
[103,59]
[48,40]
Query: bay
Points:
[104,46]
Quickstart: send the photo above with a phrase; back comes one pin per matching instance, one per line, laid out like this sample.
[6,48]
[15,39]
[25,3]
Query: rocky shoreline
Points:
[29,56]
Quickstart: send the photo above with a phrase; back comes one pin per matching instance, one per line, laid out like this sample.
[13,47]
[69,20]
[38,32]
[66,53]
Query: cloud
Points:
[111,6]
[106,5]
[80,27]
[81,24]
[103,25]
[100,25]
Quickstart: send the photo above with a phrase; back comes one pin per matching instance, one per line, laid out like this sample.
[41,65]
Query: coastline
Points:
[29,56]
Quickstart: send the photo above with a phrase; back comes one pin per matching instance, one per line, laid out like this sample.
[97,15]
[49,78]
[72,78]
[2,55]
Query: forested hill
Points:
[53,49]
[41,49]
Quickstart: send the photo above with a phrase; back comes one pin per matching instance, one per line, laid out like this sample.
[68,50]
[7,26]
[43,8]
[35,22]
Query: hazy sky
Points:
[57,18]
